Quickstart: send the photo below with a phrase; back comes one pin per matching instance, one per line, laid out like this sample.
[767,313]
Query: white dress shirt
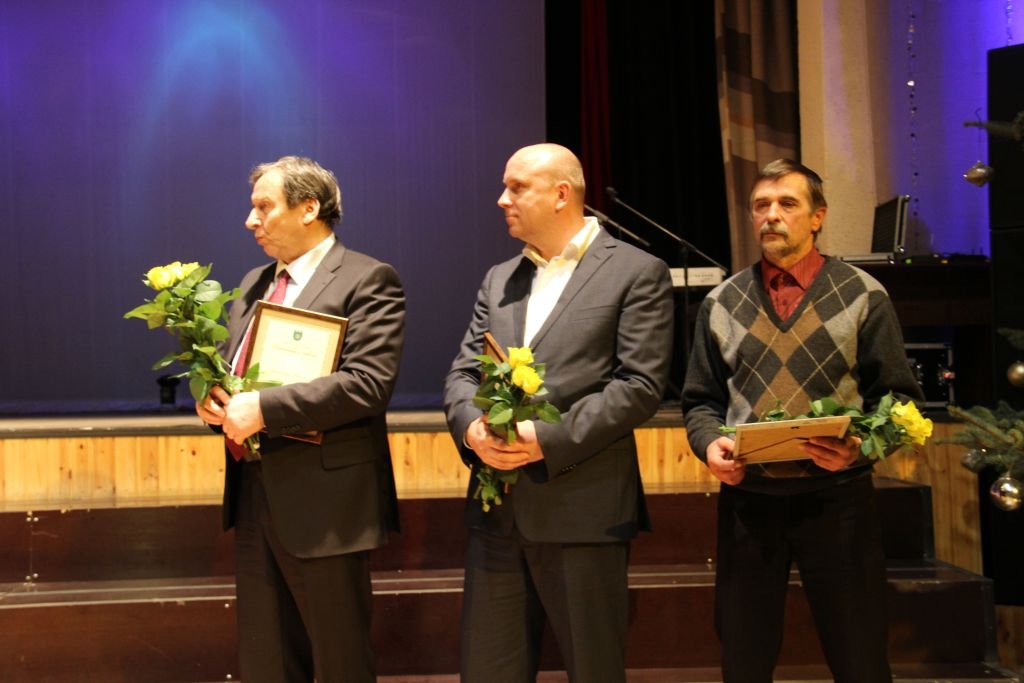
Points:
[551,276]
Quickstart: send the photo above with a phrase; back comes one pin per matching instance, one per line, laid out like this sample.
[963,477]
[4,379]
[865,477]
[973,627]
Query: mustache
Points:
[777,228]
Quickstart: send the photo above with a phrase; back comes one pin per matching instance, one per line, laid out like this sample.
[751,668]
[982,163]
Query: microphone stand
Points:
[685,248]
[604,219]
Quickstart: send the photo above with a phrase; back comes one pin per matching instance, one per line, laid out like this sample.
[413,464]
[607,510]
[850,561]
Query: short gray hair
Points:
[302,179]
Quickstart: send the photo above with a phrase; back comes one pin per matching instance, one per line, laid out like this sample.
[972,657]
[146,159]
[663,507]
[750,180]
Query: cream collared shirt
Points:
[552,276]
[301,269]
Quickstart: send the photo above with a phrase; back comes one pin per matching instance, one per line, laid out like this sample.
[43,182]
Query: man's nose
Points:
[503,201]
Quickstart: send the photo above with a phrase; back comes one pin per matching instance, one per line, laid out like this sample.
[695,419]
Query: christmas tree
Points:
[995,438]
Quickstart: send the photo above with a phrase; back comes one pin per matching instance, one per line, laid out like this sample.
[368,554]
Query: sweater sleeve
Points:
[705,395]
[882,357]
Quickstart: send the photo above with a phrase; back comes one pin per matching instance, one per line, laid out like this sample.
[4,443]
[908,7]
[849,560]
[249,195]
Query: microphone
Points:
[611,192]
[597,214]
[605,219]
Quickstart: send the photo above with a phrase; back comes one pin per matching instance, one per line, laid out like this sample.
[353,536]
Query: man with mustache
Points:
[795,327]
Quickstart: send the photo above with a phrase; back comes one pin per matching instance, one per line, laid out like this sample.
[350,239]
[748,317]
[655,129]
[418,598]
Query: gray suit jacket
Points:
[607,345]
[339,496]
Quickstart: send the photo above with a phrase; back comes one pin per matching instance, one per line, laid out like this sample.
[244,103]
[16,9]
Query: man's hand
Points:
[500,455]
[721,462]
[243,416]
[212,409]
[832,454]
[527,440]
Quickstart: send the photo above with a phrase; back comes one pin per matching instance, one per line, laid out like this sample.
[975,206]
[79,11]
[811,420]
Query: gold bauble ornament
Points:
[979,174]
[1015,373]
[1005,493]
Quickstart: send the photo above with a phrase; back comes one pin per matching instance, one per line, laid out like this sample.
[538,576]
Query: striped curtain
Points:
[758,103]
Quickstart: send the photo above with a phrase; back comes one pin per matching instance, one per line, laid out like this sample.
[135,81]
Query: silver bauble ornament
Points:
[1015,373]
[979,174]
[973,459]
[1006,493]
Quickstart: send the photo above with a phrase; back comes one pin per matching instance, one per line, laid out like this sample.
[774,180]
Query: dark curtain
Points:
[758,102]
[632,88]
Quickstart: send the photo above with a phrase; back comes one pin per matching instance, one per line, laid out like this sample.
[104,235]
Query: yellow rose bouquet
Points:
[892,426]
[191,308]
[508,394]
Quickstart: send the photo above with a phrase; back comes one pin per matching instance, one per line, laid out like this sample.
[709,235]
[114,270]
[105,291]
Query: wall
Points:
[128,129]
[872,136]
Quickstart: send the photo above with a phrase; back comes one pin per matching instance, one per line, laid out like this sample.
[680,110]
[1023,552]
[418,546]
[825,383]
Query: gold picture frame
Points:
[295,345]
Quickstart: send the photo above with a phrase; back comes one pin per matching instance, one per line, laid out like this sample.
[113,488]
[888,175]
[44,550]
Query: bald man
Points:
[598,312]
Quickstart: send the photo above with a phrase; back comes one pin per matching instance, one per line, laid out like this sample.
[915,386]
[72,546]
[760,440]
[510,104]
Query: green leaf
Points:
[500,413]
[165,361]
[483,403]
[524,412]
[548,413]
[199,388]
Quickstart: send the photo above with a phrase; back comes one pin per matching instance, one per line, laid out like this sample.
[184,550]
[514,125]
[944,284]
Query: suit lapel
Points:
[596,256]
[518,292]
[322,276]
[250,297]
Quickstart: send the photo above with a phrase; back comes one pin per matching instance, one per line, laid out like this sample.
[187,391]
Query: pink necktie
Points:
[238,451]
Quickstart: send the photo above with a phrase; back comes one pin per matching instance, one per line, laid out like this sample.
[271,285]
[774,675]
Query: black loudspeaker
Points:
[1007,308]
[1006,209]
[1002,551]
[1006,154]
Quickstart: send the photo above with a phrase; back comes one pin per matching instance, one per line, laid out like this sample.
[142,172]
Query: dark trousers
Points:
[833,535]
[512,585]
[297,618]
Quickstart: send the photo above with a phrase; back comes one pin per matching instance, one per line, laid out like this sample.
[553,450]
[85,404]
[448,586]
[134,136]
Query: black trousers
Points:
[834,537]
[512,585]
[298,618]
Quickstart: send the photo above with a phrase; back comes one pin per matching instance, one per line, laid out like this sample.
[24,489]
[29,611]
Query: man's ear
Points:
[311,210]
[564,192]
[817,218]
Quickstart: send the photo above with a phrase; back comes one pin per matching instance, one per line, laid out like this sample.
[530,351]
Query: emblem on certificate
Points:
[295,345]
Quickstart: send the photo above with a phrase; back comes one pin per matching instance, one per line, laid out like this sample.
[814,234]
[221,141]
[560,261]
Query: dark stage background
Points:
[127,131]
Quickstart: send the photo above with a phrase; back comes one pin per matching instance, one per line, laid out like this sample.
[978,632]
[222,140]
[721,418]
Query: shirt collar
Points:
[301,269]
[803,271]
[576,247]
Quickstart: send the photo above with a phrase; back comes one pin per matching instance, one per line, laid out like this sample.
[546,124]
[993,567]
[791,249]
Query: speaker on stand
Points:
[1001,530]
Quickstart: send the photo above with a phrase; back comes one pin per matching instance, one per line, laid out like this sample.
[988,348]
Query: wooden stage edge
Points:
[172,459]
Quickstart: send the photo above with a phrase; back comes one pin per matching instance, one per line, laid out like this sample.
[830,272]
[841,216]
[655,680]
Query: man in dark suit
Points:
[598,313]
[306,515]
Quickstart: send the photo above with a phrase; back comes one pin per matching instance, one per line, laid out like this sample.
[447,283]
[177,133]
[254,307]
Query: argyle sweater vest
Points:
[788,363]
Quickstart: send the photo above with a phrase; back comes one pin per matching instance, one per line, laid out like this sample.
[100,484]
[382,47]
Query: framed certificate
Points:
[775,441]
[295,345]
[493,349]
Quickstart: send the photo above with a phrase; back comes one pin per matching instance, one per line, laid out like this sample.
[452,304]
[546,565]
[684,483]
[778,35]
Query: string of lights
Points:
[1009,22]
[912,118]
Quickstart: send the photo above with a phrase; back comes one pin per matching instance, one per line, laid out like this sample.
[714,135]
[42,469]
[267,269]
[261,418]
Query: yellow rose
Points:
[919,428]
[187,268]
[160,277]
[526,378]
[520,356]
[176,271]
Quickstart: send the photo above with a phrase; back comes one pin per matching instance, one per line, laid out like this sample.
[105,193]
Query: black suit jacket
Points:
[608,346]
[339,496]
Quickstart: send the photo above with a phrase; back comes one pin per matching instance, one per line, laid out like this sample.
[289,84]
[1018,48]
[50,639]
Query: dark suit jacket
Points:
[608,346]
[337,497]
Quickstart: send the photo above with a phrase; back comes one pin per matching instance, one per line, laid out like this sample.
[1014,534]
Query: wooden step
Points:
[926,673]
[160,630]
[187,541]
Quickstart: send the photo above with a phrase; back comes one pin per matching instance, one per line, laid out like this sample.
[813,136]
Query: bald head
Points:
[543,197]
[557,164]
